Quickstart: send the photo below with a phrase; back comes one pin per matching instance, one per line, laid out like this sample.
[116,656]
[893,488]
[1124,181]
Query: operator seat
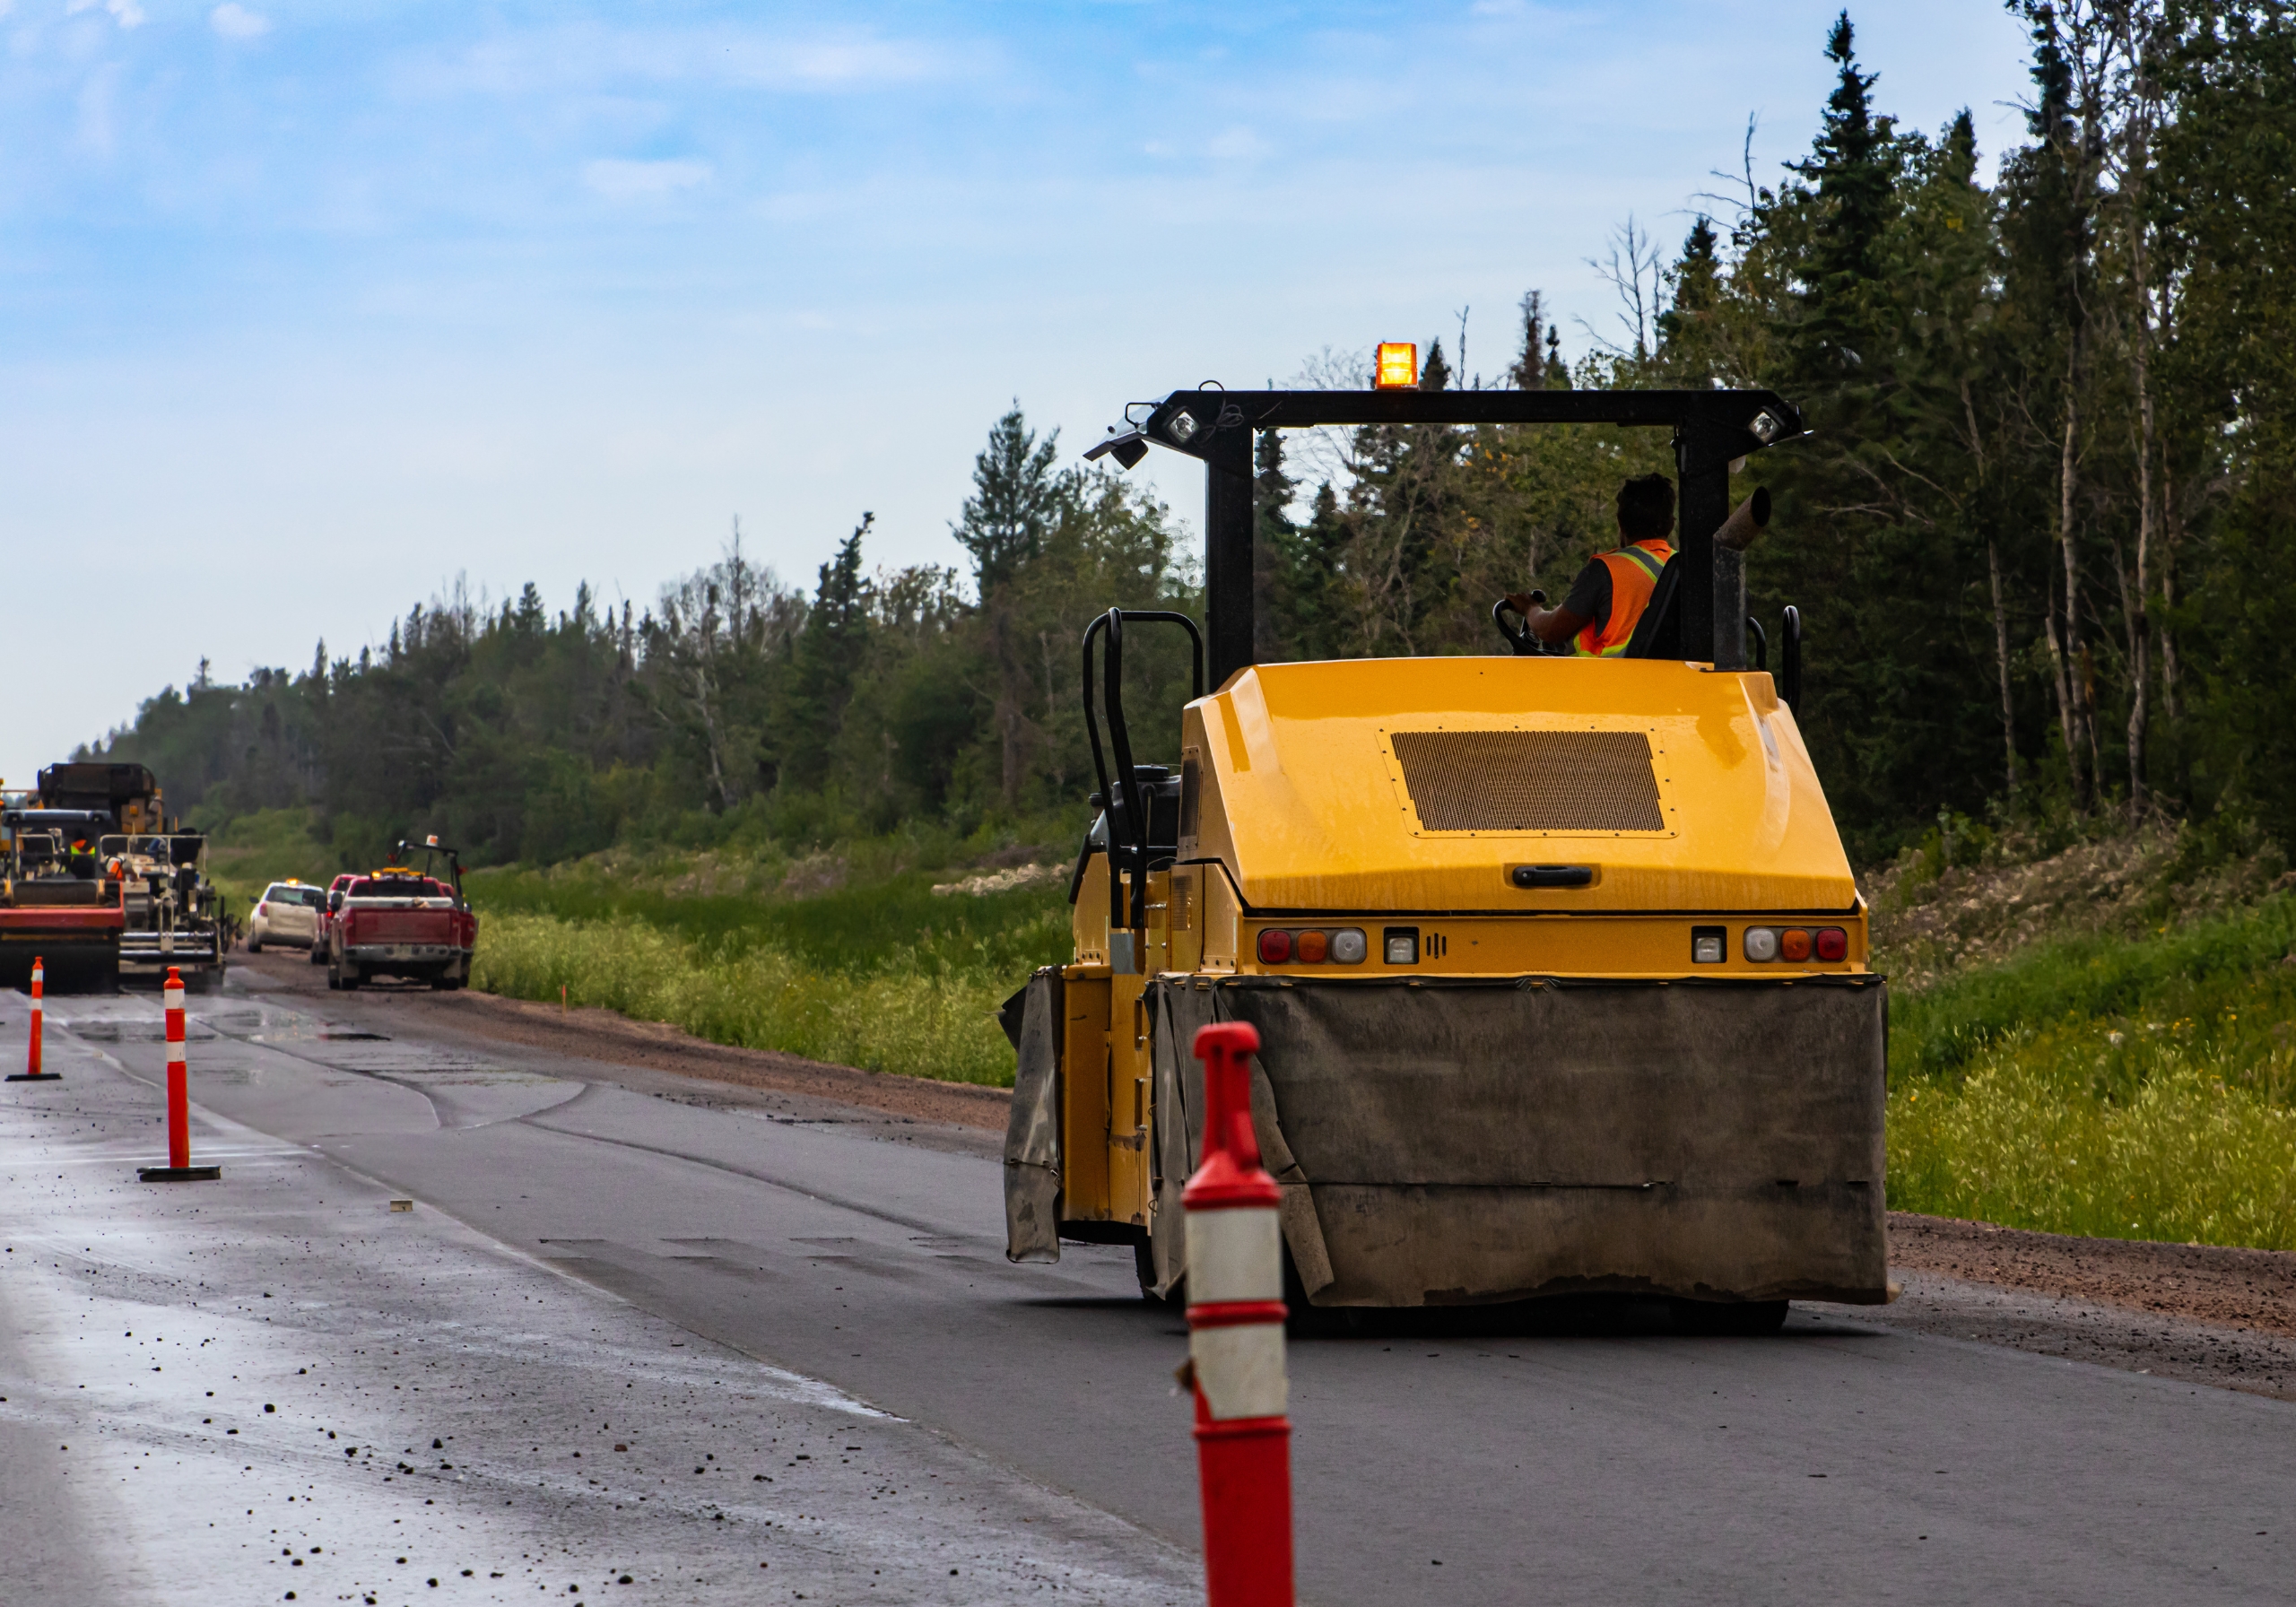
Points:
[1658,634]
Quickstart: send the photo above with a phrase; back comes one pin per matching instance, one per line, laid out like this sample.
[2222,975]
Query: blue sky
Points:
[307,309]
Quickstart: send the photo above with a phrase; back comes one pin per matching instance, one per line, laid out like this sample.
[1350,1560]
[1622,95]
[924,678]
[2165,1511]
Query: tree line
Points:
[2031,532]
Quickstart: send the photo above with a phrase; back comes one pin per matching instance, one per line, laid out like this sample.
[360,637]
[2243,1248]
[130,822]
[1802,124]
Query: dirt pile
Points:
[1938,911]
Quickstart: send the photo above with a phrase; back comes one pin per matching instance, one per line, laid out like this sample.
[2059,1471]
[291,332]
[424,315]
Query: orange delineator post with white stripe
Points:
[31,1071]
[179,1168]
[178,1076]
[1235,1319]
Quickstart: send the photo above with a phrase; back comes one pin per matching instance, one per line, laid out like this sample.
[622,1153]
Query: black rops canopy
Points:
[1712,429]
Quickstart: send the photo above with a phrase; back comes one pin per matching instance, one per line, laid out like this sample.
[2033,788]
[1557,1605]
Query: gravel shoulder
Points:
[2249,1290]
[2202,1313]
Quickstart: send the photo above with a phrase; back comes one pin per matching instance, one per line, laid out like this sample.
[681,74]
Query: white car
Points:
[287,915]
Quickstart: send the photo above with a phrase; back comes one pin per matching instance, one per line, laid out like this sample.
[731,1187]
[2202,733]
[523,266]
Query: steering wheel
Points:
[1526,644]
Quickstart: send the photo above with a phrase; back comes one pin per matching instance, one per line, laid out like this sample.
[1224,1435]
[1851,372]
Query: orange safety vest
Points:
[1634,574]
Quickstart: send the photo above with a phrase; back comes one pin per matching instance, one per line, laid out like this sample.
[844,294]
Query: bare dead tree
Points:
[1636,271]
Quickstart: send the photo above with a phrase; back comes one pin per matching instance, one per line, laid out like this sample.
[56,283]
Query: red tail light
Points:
[1274,947]
[1833,943]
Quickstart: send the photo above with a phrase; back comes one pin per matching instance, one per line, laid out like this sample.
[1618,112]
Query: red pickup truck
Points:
[399,922]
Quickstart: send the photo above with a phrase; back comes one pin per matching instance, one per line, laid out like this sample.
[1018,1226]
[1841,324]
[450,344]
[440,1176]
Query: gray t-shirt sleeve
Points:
[1590,594]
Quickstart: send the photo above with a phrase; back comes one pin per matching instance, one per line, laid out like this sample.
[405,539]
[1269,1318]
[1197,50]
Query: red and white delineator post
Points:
[31,1071]
[1235,1319]
[179,1168]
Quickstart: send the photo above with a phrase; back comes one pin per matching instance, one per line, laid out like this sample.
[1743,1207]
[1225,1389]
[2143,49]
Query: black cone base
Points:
[178,1174]
[36,1076]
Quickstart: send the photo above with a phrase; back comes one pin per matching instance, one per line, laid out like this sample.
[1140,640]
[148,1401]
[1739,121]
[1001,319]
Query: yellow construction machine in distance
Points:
[1558,966]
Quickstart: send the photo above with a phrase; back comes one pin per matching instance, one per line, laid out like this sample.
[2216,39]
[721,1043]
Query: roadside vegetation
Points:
[2098,1041]
[250,852]
[848,957]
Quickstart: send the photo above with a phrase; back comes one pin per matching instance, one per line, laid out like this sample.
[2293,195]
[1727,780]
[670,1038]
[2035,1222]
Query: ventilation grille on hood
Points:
[1530,780]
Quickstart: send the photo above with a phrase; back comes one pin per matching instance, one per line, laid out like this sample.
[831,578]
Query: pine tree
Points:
[1687,336]
[1528,372]
[1435,373]
[828,655]
[2050,229]
[1275,549]
[1017,499]
[1016,495]
[1853,168]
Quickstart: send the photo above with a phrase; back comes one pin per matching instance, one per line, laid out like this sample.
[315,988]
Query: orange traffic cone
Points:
[31,1071]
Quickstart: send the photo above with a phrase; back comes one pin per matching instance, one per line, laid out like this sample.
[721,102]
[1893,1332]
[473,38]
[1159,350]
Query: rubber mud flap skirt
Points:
[1458,1141]
[1033,1135]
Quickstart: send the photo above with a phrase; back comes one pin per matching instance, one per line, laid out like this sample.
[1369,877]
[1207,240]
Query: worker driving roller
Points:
[1399,872]
[1606,601]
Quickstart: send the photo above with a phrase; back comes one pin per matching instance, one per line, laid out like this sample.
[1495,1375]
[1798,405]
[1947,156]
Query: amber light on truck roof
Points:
[1396,368]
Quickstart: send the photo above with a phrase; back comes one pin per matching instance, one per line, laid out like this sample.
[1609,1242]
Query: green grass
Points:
[883,974]
[255,850]
[2127,1089]
[890,921]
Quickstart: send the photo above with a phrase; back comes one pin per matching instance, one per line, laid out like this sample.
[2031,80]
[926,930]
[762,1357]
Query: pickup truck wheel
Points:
[351,978]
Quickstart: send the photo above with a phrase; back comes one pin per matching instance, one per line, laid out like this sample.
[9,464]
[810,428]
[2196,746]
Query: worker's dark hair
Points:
[1646,507]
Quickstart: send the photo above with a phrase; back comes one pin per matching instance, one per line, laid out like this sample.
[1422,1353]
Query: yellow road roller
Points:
[1559,969]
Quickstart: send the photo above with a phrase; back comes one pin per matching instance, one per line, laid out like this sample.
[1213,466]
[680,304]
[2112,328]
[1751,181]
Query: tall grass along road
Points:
[2117,1083]
[887,977]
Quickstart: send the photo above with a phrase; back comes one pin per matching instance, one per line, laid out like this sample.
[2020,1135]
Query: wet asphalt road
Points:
[1839,1462]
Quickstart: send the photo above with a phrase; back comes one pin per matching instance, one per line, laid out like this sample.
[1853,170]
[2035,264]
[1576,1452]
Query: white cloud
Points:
[125,12]
[236,22]
[1238,144]
[621,180]
[588,55]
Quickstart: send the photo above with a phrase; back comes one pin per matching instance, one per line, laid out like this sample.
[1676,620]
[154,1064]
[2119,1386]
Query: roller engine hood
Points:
[1420,785]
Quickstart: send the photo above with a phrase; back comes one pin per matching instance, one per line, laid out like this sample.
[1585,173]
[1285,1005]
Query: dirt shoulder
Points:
[2253,1290]
[2197,1314]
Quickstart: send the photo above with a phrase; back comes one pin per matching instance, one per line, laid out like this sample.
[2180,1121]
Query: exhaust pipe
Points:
[1748,520]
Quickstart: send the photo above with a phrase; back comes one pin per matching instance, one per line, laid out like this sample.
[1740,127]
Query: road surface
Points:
[817,1275]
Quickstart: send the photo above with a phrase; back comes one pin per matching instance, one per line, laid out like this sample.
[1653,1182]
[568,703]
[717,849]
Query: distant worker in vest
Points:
[1597,618]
